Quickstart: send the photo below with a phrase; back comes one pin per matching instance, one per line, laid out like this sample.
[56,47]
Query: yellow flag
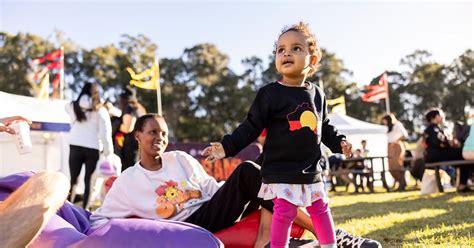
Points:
[338,105]
[44,88]
[338,100]
[153,74]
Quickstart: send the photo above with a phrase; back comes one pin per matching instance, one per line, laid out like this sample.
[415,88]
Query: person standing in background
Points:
[126,145]
[364,150]
[90,133]
[396,134]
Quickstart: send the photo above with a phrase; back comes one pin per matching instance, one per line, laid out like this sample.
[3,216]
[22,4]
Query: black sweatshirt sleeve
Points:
[251,128]
[330,135]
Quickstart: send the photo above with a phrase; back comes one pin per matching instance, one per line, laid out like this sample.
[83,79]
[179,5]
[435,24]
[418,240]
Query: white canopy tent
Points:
[357,130]
[48,135]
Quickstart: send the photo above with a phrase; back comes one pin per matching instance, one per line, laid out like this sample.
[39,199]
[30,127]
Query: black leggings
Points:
[79,155]
[238,196]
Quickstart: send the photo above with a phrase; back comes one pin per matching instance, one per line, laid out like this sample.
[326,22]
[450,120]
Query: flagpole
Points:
[387,99]
[61,75]
[158,88]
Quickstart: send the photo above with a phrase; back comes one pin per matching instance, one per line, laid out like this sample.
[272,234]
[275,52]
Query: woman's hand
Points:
[346,148]
[214,152]
[5,122]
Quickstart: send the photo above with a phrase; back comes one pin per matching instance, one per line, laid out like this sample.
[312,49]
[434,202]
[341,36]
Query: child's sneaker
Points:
[347,240]
[300,243]
[303,243]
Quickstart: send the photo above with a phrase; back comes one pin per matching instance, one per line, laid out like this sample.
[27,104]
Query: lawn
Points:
[407,219]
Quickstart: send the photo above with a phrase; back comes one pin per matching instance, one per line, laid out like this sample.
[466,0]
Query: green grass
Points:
[406,219]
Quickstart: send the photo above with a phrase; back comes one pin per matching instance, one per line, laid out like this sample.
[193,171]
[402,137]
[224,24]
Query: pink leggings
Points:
[284,213]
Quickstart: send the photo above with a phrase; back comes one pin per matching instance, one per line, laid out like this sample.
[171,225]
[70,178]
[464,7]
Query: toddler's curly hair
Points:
[312,42]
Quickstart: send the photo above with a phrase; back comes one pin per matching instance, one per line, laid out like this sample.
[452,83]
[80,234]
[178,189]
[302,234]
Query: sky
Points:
[368,36]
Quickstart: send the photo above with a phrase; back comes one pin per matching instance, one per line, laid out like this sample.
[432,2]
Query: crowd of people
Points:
[173,185]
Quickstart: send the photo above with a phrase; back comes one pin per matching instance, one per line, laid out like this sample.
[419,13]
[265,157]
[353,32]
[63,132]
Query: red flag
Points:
[378,91]
[56,81]
[55,65]
[50,57]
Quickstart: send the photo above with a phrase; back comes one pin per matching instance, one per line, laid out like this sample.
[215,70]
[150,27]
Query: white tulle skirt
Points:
[302,195]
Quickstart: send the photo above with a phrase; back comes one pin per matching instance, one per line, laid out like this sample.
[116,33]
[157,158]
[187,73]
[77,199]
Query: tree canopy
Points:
[203,98]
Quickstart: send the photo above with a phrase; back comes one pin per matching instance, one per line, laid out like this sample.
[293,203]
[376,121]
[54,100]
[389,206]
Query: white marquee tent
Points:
[357,130]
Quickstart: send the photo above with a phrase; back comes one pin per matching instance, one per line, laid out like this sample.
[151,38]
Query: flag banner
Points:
[50,57]
[138,79]
[56,81]
[55,84]
[53,61]
[35,87]
[335,101]
[374,97]
[337,105]
[140,76]
[378,91]
[148,85]
[55,65]
[36,76]
[41,91]
[44,88]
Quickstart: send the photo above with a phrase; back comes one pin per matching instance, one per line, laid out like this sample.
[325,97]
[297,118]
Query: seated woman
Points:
[173,185]
[440,148]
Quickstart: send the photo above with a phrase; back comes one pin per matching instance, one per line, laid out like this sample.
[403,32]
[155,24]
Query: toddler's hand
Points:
[346,148]
[214,152]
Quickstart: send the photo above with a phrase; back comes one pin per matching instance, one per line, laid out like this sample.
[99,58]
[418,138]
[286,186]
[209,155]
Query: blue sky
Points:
[369,36]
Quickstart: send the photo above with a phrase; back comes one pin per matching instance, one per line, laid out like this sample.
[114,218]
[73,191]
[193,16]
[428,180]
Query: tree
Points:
[333,74]
[424,87]
[175,100]
[460,84]
[216,98]
[254,73]
[103,65]
[15,54]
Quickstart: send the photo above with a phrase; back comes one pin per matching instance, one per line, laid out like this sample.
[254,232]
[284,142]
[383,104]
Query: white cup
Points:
[22,137]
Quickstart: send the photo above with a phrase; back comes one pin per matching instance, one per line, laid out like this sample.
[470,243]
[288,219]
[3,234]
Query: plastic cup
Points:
[22,137]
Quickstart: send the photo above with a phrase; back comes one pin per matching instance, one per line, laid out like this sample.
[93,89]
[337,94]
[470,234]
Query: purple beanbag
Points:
[70,228]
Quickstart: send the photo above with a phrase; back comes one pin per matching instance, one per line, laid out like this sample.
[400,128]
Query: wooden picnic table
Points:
[437,166]
[361,167]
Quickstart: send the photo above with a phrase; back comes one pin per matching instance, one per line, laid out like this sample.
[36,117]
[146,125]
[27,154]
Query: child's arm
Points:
[245,133]
[214,152]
